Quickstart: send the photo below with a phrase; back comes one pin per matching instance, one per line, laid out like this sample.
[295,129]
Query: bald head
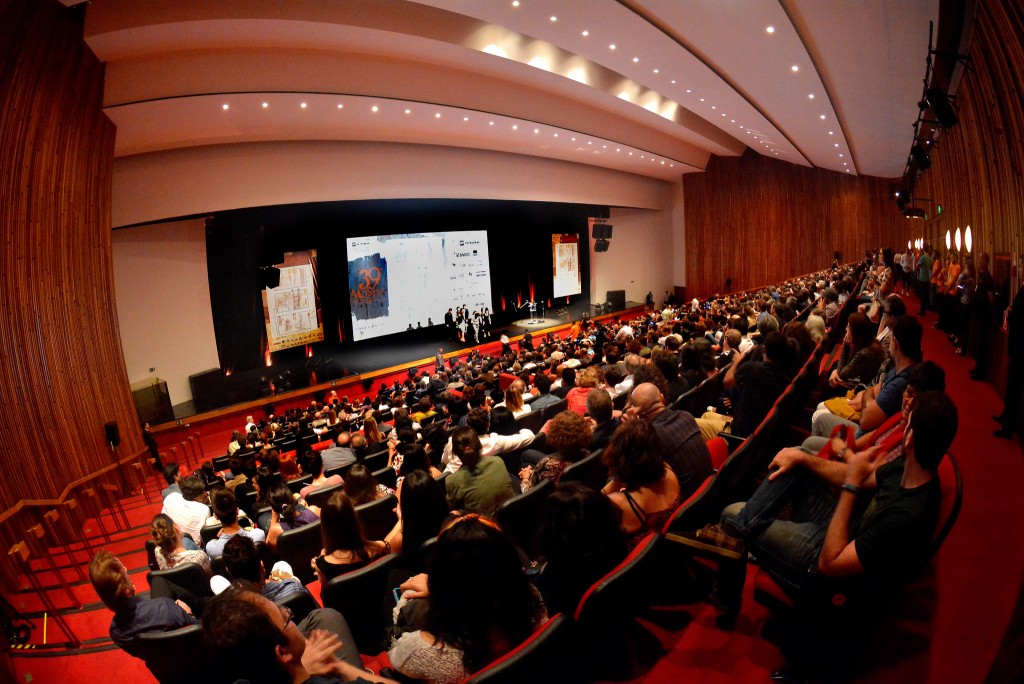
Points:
[647,400]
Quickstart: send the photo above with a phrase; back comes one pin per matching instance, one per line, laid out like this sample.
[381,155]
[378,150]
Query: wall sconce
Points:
[949,239]
[908,244]
[968,240]
[956,238]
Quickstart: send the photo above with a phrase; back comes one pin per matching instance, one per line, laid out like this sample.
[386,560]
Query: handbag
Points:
[840,406]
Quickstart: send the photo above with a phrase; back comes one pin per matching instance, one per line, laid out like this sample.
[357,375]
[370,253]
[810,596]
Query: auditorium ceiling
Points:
[651,87]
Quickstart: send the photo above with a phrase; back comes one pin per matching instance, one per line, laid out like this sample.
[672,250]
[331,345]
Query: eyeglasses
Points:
[287,614]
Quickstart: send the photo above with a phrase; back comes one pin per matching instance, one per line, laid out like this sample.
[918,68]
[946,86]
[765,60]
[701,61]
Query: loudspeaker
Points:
[112,433]
[617,298]
[601,245]
[602,231]
[941,107]
[921,157]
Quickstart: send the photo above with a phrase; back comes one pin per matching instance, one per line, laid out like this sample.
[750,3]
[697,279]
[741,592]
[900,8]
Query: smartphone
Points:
[397,592]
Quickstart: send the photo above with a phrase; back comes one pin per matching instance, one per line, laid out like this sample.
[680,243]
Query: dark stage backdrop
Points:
[239,242]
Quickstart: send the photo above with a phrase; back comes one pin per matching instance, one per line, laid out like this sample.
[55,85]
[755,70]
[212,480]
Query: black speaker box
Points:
[112,433]
[617,298]
[602,231]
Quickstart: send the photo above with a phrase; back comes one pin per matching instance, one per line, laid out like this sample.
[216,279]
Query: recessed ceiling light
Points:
[303,105]
[822,117]
[465,118]
[490,123]
[515,3]
[408,111]
[556,135]
[723,113]
[515,127]
[702,99]
[831,133]
[795,68]
[437,115]
[586,33]
[635,60]
[341,106]
[732,120]
[225,106]
[837,144]
[671,164]
[375,109]
[810,96]
[642,156]
[590,142]
[612,46]
[662,162]
[688,90]
[770,29]
[656,71]
[536,130]
[604,147]
[712,106]
[673,82]
[630,154]
[574,139]
[265,105]
[618,149]
[840,154]
[554,18]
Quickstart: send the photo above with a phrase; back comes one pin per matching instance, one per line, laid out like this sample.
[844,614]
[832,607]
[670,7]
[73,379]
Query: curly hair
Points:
[635,455]
[569,433]
[163,532]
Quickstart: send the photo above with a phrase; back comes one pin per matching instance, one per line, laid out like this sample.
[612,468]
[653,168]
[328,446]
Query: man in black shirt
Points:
[981,317]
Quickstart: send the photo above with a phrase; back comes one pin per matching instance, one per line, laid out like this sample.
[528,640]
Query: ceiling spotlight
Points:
[795,68]
[673,82]
[265,105]
[226,106]
[586,33]
[554,18]
[373,109]
[656,71]
[437,115]
[612,46]
[688,90]
[635,60]
[810,96]
[408,111]
[490,123]
[574,139]
[536,130]
[836,144]
[556,135]
[465,118]
[303,105]
[770,29]
[515,3]
[822,117]
[515,127]
[831,133]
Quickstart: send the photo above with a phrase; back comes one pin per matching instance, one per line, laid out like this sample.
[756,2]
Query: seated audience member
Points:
[414,457]
[188,508]
[345,547]
[577,396]
[170,551]
[371,431]
[314,464]
[422,507]
[668,364]
[580,540]
[243,563]
[864,516]
[340,455]
[599,406]
[361,486]
[643,486]
[816,327]
[258,642]
[861,355]
[236,443]
[544,398]
[468,623]
[171,471]
[482,484]
[491,444]
[288,468]
[870,408]
[685,451]
[134,614]
[569,435]
[285,514]
[225,509]
[759,384]
[503,423]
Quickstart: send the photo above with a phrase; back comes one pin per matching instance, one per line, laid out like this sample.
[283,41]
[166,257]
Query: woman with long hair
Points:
[361,486]
[861,355]
[345,547]
[480,604]
[514,398]
[285,515]
[422,507]
[370,430]
[415,457]
[170,551]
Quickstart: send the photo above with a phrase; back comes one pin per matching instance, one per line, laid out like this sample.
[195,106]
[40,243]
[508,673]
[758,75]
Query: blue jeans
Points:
[188,543]
[788,549]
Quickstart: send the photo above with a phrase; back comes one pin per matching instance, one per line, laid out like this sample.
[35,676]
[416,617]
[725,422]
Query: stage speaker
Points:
[209,389]
[617,298]
[601,245]
[602,231]
[112,433]
[919,155]
[941,107]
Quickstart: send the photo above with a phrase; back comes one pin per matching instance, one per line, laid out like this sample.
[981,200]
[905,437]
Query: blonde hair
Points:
[514,396]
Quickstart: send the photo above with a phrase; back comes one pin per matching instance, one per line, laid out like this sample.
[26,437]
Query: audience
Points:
[345,547]
[482,484]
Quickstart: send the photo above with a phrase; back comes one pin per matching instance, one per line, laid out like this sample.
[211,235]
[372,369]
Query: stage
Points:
[356,368]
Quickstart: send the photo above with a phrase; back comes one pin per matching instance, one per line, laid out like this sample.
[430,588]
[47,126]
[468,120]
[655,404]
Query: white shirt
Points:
[190,516]
[490,445]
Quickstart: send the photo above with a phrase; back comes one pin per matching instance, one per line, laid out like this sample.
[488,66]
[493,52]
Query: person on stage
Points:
[449,324]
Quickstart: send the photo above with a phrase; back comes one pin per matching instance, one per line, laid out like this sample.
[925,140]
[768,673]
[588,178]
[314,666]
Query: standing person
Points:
[981,317]
[154,449]
[449,324]
[924,277]
[1015,375]
[439,360]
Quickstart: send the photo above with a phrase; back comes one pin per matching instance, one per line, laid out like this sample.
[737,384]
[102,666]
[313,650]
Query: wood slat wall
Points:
[976,168]
[759,221]
[62,374]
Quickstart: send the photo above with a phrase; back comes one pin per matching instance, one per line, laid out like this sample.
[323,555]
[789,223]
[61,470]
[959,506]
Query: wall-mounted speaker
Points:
[941,107]
[112,433]
[602,231]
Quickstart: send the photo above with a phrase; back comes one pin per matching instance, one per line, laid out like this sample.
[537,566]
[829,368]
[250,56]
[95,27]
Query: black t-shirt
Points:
[895,536]
[760,385]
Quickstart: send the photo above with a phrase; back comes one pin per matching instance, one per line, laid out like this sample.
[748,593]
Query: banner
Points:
[565,267]
[291,310]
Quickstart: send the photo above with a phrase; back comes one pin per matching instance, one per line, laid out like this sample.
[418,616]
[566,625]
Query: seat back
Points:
[320,446]
[297,484]
[209,533]
[589,471]
[553,410]
[376,460]
[301,603]
[719,450]
[151,555]
[707,393]
[320,495]
[532,421]
[386,476]
[537,658]
[298,547]
[172,656]
[626,588]
[952,487]
[519,516]
[378,517]
[189,576]
[357,595]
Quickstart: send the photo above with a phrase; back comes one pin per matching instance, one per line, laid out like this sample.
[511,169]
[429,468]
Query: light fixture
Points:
[968,239]
[770,29]
[373,109]
[795,68]
[656,71]
[536,130]
[408,111]
[225,106]
[554,18]
[341,106]
[635,60]
[612,46]
[515,3]
[956,238]
[465,118]
[265,105]
[586,33]
[810,96]
[822,117]
[515,127]
[437,115]
[303,105]
[949,239]
[908,244]
[831,133]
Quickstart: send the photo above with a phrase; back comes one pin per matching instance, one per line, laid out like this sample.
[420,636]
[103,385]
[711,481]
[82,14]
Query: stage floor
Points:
[372,355]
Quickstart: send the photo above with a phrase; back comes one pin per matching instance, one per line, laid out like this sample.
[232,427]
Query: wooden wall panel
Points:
[62,372]
[758,221]
[976,168]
